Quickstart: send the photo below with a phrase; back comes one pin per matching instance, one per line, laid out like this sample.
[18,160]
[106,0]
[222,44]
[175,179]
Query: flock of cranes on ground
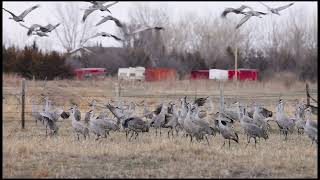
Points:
[185,117]
[42,31]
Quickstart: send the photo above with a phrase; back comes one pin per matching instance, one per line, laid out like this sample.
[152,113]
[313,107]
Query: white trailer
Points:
[132,73]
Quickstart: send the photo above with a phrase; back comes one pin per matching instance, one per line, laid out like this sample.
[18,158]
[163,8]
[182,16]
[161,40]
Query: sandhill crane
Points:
[226,131]
[103,34]
[259,119]
[200,127]
[48,28]
[311,127]
[147,113]
[78,127]
[159,120]
[120,118]
[251,128]
[183,112]
[187,124]
[276,10]
[51,117]
[31,28]
[248,15]
[300,122]
[285,124]
[264,112]
[173,123]
[107,18]
[234,10]
[22,15]
[232,112]
[136,125]
[36,112]
[96,6]
[157,28]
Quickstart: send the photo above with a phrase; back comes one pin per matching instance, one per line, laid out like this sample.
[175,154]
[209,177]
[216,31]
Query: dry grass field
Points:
[28,153]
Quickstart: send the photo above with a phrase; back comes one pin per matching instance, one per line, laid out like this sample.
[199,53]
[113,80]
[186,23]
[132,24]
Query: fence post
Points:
[22,102]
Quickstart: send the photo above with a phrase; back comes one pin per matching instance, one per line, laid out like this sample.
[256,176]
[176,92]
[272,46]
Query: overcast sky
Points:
[13,33]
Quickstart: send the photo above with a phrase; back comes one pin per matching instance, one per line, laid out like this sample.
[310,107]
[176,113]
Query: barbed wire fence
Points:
[21,102]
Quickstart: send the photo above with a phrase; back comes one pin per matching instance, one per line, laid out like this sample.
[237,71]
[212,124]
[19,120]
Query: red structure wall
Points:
[244,74]
[160,74]
[88,73]
[200,74]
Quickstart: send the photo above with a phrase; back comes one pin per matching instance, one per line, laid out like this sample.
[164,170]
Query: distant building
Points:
[90,73]
[160,74]
[131,73]
[200,74]
[244,74]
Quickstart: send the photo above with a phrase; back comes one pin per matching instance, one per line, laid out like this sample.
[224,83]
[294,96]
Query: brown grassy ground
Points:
[28,153]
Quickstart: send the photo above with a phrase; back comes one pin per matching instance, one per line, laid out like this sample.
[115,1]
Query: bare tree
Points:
[72,30]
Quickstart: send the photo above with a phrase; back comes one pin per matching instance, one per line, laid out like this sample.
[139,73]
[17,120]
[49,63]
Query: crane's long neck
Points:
[48,105]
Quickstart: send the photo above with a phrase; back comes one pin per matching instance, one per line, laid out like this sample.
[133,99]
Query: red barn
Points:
[90,73]
[244,74]
[159,74]
[200,74]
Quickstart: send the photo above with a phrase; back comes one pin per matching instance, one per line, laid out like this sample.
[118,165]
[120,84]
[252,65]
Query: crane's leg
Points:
[136,135]
[97,137]
[177,131]
[169,133]
[131,136]
[224,142]
[160,131]
[172,132]
[207,140]
[229,143]
[78,137]
[248,142]
[126,134]
[255,143]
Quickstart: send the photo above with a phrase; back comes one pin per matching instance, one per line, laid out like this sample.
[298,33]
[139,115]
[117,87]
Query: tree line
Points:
[272,45]
[31,62]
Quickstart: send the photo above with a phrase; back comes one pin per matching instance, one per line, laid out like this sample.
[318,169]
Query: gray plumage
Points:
[285,124]
[300,122]
[107,18]
[159,120]
[173,123]
[234,10]
[226,131]
[311,127]
[96,6]
[136,125]
[32,28]
[276,10]
[48,28]
[248,15]
[103,34]
[157,28]
[251,129]
[78,127]
[22,15]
